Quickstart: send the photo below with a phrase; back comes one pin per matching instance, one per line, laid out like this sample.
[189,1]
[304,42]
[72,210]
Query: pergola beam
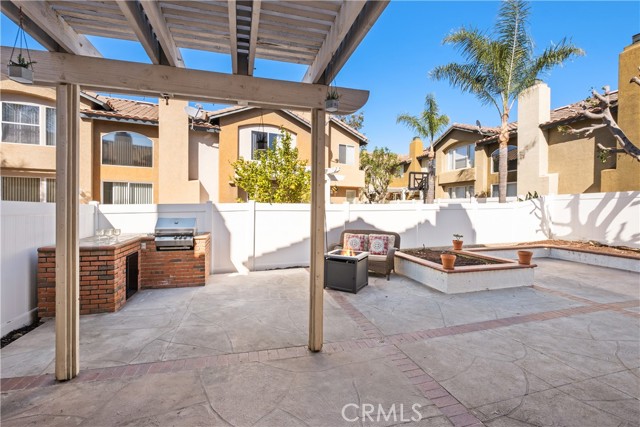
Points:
[139,23]
[159,25]
[336,50]
[253,38]
[233,35]
[343,22]
[48,22]
[186,84]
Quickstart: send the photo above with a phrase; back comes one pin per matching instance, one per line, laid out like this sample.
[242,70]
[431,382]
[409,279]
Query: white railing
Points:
[255,236]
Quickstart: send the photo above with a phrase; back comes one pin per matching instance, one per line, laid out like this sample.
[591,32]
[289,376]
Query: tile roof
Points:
[404,158]
[130,109]
[236,109]
[572,112]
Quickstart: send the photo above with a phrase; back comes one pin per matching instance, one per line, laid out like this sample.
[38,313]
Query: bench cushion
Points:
[357,242]
[379,244]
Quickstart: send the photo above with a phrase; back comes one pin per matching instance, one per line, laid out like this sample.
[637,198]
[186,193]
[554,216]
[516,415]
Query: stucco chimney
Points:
[534,108]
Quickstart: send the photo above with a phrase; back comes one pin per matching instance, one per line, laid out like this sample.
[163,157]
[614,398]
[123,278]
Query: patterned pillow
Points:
[357,242]
[379,244]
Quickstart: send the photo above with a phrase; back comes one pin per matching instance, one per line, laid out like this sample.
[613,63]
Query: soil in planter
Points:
[434,256]
[14,335]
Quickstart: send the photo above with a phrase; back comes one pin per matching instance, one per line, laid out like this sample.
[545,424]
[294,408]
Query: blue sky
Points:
[394,59]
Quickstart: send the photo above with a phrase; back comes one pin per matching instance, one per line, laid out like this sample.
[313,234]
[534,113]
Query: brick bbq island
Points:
[112,270]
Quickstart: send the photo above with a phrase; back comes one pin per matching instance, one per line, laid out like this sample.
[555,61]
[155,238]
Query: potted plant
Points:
[21,70]
[448,260]
[457,242]
[524,257]
[332,101]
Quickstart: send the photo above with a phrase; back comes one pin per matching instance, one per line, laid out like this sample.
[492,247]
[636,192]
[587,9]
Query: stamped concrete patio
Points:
[565,352]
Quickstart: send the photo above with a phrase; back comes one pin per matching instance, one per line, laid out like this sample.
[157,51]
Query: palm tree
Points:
[428,125]
[499,68]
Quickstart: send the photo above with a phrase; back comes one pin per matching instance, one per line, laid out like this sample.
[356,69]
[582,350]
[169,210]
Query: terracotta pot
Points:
[524,257]
[448,261]
[457,245]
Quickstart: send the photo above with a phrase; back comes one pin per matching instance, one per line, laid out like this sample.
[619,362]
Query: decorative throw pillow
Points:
[356,242]
[379,244]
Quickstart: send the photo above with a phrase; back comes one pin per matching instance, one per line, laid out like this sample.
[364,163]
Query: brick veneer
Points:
[103,272]
[175,269]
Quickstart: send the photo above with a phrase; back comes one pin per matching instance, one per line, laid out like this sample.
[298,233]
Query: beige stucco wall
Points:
[123,173]
[446,178]
[228,152]
[203,163]
[575,159]
[626,175]
[173,151]
[416,148]
[353,176]
[40,160]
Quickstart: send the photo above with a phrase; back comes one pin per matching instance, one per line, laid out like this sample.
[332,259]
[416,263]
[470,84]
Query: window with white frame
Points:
[119,193]
[462,157]
[346,154]
[28,124]
[512,159]
[127,149]
[28,189]
[512,190]
[460,192]
[262,141]
[251,139]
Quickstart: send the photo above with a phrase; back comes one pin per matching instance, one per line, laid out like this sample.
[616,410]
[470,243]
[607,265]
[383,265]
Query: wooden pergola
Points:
[321,34]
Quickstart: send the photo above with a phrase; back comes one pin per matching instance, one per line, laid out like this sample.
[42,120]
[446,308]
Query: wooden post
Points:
[316,288]
[67,228]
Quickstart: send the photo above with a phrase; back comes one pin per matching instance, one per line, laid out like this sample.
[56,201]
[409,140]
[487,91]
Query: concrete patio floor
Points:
[565,352]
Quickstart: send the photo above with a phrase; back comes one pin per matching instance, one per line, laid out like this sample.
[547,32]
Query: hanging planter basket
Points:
[331,105]
[332,101]
[20,69]
[20,74]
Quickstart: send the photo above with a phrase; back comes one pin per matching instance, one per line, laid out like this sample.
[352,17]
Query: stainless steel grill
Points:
[175,233]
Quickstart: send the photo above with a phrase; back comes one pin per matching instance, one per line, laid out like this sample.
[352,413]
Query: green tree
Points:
[379,167]
[427,125]
[276,176]
[499,68]
[355,120]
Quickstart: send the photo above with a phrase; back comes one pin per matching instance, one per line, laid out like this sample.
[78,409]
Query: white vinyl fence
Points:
[24,227]
[255,236]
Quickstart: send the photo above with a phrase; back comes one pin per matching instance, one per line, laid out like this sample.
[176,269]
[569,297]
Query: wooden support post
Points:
[316,288]
[67,229]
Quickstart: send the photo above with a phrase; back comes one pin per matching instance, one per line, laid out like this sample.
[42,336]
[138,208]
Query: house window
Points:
[512,190]
[127,149]
[351,196]
[28,189]
[462,157]
[512,159]
[118,193]
[248,136]
[23,124]
[346,154]
[262,141]
[460,192]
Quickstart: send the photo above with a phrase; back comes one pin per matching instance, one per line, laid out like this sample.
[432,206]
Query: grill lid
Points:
[169,226]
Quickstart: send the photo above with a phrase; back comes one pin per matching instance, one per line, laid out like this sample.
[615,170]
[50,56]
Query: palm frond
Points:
[414,123]
[468,78]
[552,56]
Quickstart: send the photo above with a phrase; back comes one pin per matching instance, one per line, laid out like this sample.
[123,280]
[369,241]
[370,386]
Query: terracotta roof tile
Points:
[572,112]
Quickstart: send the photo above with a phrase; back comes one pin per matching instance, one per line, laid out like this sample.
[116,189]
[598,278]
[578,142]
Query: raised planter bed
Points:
[499,273]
